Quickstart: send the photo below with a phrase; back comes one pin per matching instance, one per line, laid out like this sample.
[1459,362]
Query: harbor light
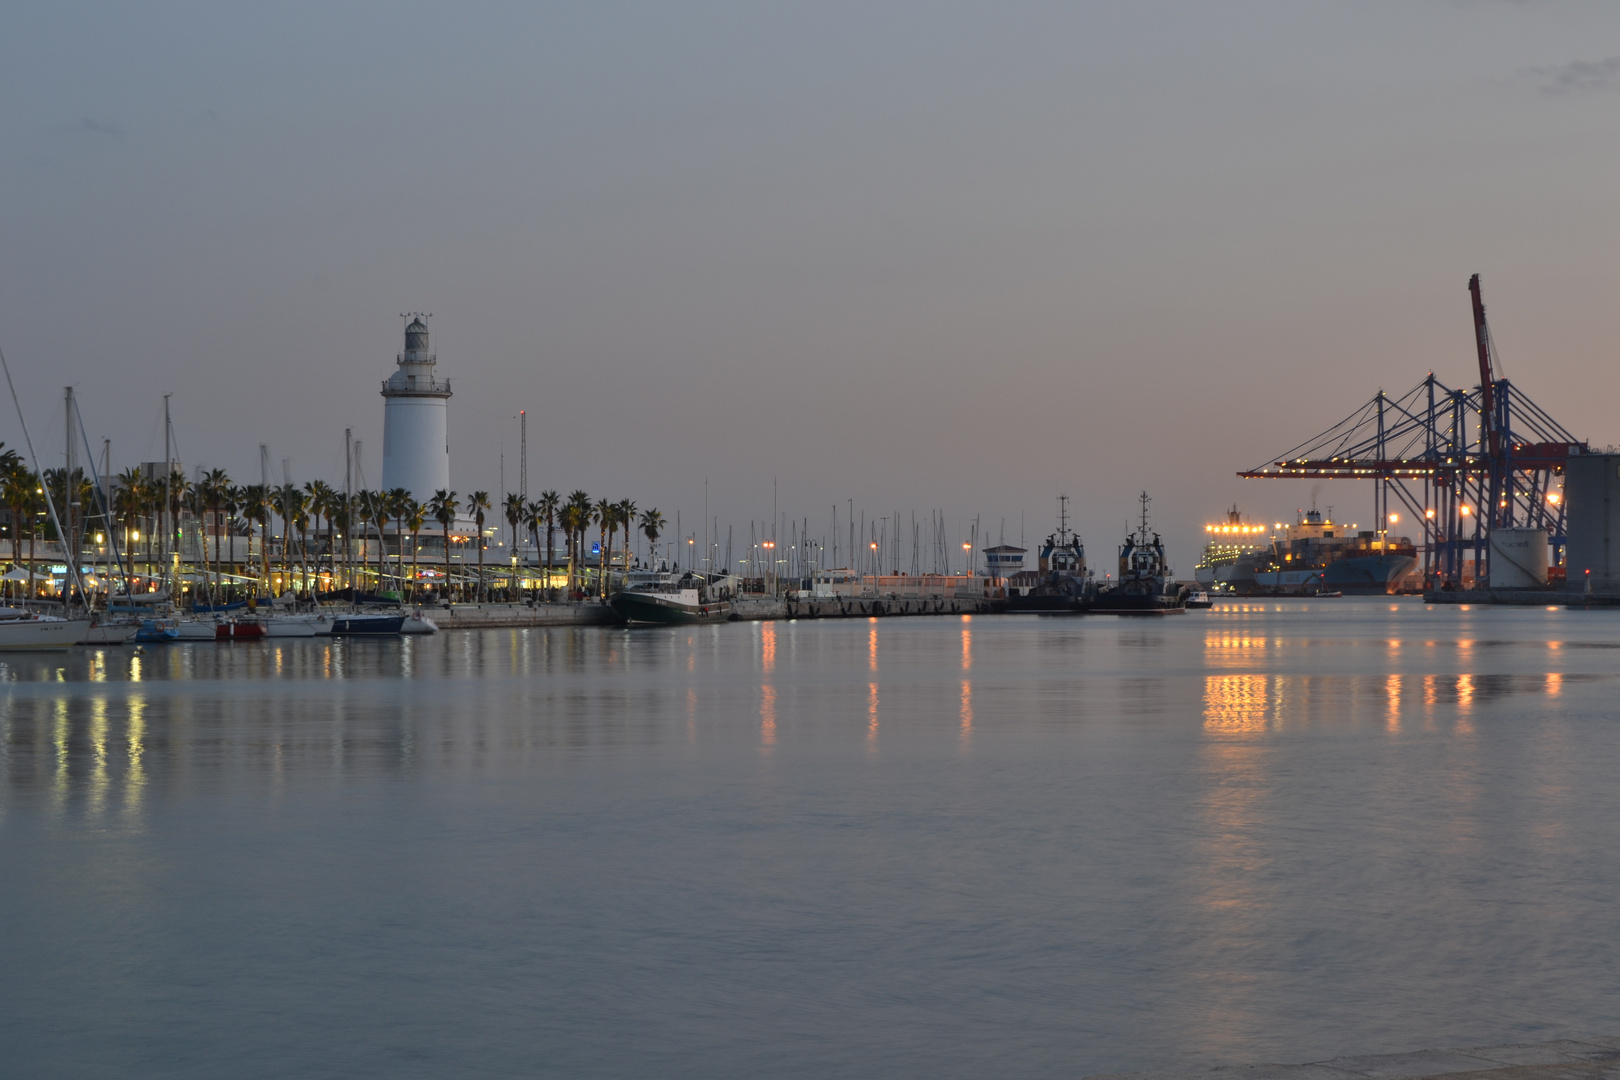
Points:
[1394,519]
[1465,510]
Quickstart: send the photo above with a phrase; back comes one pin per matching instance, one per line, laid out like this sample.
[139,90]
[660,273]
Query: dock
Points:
[1523,598]
[755,609]
[747,609]
[518,616]
[1565,1059]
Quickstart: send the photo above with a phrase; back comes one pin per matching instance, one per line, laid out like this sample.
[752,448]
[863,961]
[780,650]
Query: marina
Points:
[714,541]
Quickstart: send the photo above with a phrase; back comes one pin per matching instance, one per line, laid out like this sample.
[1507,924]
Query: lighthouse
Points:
[416,429]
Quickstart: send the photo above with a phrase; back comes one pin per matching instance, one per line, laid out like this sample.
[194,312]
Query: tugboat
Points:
[692,598]
[1060,586]
[1145,586]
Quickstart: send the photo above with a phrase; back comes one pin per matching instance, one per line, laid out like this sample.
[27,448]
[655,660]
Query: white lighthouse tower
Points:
[416,429]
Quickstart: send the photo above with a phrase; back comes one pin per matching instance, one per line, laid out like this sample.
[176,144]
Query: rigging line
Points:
[50,504]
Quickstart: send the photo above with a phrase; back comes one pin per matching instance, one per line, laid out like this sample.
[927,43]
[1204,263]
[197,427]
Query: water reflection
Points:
[93,730]
[966,711]
[1236,704]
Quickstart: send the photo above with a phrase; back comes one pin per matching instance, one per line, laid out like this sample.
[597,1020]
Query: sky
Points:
[907,257]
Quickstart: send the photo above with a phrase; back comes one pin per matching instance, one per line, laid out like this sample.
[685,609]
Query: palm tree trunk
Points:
[447,560]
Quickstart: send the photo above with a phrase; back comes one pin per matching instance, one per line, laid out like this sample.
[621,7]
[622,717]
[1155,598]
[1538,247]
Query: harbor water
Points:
[920,847]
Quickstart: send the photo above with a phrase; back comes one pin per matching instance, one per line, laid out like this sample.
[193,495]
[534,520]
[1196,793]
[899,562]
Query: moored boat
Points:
[693,598]
[367,625]
[25,631]
[418,623]
[291,626]
[158,631]
[1145,585]
[1059,585]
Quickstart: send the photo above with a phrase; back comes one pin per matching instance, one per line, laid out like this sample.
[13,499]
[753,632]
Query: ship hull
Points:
[1369,575]
[29,635]
[1047,605]
[366,625]
[1115,602]
[651,609]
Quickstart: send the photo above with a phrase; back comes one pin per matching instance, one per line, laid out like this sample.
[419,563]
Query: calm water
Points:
[909,847]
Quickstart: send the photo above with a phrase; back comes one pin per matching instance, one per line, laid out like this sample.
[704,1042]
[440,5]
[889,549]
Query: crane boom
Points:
[1487,378]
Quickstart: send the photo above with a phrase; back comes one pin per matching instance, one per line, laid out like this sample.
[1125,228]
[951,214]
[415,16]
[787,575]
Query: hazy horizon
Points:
[917,257]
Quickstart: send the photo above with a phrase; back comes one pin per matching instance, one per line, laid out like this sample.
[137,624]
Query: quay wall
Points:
[857,607]
[1524,598]
[495,616]
[750,609]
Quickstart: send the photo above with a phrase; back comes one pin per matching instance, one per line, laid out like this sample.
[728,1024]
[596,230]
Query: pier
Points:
[1565,1059]
[750,609]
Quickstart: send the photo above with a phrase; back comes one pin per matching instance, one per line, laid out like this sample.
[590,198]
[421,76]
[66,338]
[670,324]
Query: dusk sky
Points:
[915,255]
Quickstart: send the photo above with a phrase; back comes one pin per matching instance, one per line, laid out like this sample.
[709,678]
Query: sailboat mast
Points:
[166,517]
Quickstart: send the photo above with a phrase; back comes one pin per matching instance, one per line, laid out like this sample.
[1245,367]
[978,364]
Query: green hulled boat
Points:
[692,598]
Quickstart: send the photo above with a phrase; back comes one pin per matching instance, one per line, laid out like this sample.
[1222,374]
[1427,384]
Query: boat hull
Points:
[288,627]
[651,609]
[31,635]
[109,633]
[1118,602]
[367,625]
[1367,575]
[1048,605]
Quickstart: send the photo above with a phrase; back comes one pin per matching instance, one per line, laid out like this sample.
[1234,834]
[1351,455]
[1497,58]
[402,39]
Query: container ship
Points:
[1311,557]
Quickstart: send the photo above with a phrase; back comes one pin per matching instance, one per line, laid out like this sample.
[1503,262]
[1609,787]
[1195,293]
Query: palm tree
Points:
[197,503]
[415,517]
[399,504]
[301,519]
[340,515]
[381,513]
[34,503]
[652,524]
[627,518]
[603,514]
[568,519]
[231,501]
[443,507]
[318,497]
[548,504]
[256,508]
[512,506]
[179,489]
[216,489]
[580,502]
[129,499]
[532,517]
[18,492]
[289,504]
[478,504]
